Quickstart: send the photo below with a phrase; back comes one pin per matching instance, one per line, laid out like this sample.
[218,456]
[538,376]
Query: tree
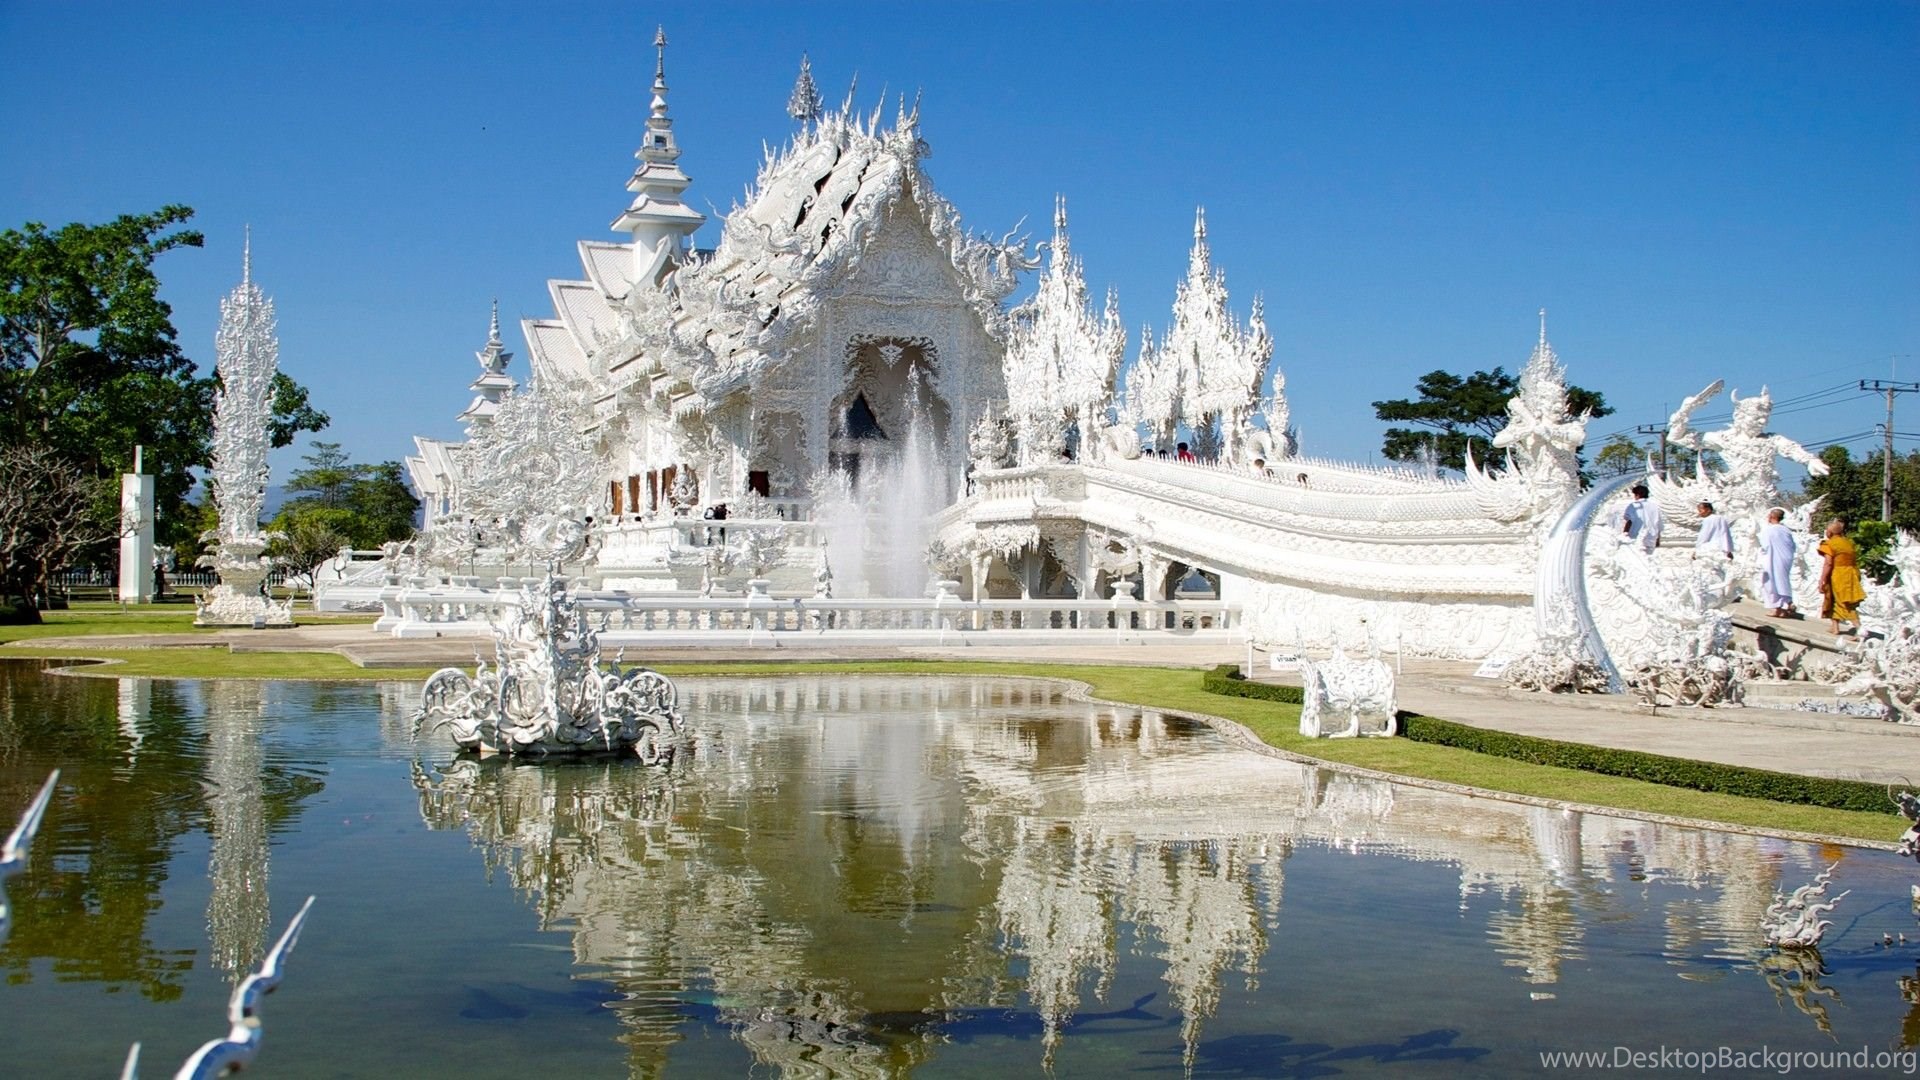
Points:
[308,536]
[1459,413]
[1851,490]
[327,481]
[1618,456]
[90,364]
[1621,455]
[366,505]
[51,513]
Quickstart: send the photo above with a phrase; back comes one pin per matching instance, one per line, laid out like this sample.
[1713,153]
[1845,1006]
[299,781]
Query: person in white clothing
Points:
[1777,549]
[1642,522]
[1715,538]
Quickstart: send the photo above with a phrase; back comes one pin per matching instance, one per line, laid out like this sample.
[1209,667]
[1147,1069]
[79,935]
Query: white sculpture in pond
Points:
[1358,692]
[1794,922]
[247,356]
[547,690]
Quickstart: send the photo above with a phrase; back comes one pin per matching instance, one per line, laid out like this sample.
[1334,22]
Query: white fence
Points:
[184,578]
[757,619]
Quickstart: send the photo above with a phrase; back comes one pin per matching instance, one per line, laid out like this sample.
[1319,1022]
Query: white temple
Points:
[844,368]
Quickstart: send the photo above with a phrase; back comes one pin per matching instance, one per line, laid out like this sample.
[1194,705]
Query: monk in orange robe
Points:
[1840,588]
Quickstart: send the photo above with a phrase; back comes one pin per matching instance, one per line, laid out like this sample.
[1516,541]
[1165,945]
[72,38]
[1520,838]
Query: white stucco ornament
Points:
[1344,698]
[1062,357]
[1796,921]
[1542,440]
[548,691]
[247,349]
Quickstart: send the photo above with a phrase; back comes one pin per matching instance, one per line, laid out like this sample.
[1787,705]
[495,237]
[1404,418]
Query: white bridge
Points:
[1309,551]
[1106,552]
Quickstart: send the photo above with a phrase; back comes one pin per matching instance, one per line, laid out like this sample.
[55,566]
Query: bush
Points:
[1226,679]
[1630,764]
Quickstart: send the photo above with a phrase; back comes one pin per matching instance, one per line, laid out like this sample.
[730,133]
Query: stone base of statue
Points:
[240,599]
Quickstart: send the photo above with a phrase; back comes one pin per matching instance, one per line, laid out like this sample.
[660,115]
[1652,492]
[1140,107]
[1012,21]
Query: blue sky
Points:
[1693,191]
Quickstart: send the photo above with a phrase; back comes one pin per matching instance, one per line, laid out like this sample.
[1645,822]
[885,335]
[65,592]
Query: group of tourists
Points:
[1841,588]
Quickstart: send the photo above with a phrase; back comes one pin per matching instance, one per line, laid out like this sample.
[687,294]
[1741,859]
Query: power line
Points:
[1839,439]
[1886,471]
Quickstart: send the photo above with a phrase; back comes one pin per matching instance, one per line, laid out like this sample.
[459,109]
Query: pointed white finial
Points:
[804,104]
[1543,326]
[660,64]
[1199,223]
[1059,213]
[494,357]
[246,255]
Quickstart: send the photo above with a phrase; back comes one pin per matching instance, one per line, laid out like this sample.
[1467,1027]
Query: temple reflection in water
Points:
[847,872]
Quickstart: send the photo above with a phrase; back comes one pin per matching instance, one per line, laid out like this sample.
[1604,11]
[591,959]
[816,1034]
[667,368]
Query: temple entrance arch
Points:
[889,396]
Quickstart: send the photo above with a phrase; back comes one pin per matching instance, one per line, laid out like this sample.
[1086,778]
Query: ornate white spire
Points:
[494,384]
[804,104]
[1217,363]
[1062,355]
[658,216]
[493,358]
[247,349]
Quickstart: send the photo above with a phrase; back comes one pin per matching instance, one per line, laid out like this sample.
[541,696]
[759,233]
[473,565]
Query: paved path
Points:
[1812,744]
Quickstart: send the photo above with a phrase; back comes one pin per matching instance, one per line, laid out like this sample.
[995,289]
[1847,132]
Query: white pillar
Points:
[136,543]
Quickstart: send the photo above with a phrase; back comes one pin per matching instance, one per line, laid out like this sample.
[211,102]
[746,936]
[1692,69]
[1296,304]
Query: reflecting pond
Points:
[870,875]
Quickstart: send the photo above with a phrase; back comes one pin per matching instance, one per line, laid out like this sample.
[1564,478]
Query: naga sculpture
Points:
[1794,922]
[13,854]
[237,1050]
[1361,691]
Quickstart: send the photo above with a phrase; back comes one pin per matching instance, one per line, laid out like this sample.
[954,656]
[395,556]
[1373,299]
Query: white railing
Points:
[706,532]
[760,619]
[176,579]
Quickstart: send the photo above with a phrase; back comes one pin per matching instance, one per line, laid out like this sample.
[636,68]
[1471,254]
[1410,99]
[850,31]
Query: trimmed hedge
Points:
[1630,764]
[1226,679]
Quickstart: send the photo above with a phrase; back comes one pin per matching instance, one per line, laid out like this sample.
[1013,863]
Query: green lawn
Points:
[1172,689]
[215,662]
[93,618]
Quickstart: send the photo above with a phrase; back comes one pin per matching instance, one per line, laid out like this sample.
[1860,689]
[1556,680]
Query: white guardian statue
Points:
[1747,482]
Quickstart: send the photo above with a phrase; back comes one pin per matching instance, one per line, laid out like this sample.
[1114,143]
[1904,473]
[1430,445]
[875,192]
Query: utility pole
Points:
[1660,430]
[1886,461]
